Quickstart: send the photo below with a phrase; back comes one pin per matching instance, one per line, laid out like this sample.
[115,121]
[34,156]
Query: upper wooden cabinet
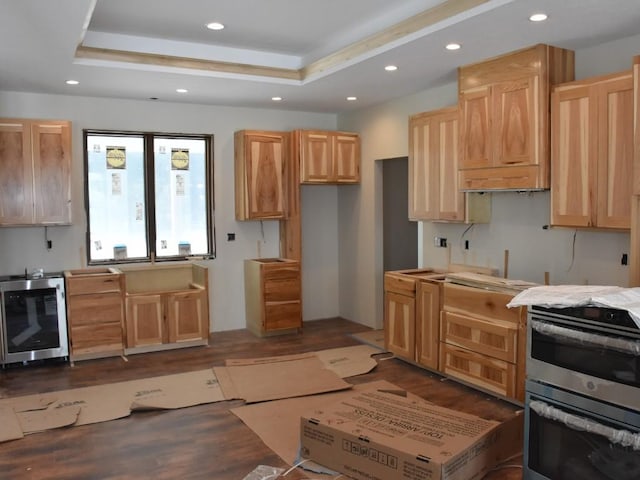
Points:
[433,171]
[504,105]
[329,157]
[260,174]
[35,172]
[592,152]
[636,121]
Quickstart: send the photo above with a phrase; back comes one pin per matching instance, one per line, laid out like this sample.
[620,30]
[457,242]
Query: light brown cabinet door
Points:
[186,316]
[423,172]
[346,157]
[427,324]
[145,320]
[52,172]
[433,167]
[316,164]
[399,325]
[615,153]
[515,129]
[260,159]
[475,135]
[573,160]
[16,173]
[592,153]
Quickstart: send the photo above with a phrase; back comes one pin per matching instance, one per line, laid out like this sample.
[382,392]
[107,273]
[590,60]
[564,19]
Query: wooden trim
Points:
[392,34]
[171,61]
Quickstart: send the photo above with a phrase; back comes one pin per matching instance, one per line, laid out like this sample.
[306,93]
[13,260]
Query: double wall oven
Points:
[582,404]
[33,321]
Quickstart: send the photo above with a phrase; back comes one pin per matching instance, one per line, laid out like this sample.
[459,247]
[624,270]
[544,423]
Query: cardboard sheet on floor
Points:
[277,423]
[345,361]
[111,401]
[286,377]
[11,429]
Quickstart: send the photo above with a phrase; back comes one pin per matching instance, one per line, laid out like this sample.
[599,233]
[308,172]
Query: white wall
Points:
[517,219]
[25,247]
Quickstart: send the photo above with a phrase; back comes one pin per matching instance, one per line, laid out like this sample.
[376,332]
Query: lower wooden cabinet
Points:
[166,318]
[411,315]
[273,297]
[167,307]
[95,312]
[482,341]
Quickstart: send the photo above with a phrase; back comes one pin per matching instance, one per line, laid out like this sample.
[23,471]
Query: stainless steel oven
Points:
[573,437]
[582,403]
[33,321]
[590,350]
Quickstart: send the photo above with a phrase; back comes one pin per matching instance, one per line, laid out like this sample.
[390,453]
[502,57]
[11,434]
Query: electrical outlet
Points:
[624,260]
[439,241]
[231,237]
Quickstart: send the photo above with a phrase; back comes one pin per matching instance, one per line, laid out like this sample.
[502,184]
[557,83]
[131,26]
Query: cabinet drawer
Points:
[399,284]
[96,338]
[281,273]
[95,309]
[279,316]
[477,302]
[284,290]
[93,284]
[494,338]
[485,372]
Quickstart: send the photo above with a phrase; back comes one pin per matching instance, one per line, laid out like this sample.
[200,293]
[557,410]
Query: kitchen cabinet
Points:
[482,341]
[260,174]
[411,315]
[95,312]
[166,307]
[273,296]
[634,237]
[329,157]
[433,171]
[504,108]
[35,172]
[592,152]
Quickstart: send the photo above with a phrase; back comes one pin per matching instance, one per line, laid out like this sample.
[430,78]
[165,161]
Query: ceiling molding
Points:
[169,62]
[401,32]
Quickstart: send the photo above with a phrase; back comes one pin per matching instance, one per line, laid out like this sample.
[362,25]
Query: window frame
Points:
[149,195]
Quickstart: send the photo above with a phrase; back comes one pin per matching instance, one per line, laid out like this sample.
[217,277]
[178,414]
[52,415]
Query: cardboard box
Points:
[378,435]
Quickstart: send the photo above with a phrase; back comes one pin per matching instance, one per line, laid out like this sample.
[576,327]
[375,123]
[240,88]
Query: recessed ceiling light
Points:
[391,68]
[181,90]
[352,99]
[276,99]
[538,17]
[215,26]
[72,82]
[453,46]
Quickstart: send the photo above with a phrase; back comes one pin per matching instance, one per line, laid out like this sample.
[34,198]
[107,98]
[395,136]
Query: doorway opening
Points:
[400,236]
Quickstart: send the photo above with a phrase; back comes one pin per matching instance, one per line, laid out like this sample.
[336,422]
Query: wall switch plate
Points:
[439,242]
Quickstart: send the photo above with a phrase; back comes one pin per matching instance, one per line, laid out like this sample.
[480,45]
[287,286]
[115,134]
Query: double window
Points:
[148,196]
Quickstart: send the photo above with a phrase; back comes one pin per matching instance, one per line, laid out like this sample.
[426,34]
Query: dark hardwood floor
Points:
[205,441]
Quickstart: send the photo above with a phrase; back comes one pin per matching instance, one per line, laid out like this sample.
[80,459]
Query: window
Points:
[148,196]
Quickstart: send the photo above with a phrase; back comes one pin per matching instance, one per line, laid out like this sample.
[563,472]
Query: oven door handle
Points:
[619,437]
[585,338]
